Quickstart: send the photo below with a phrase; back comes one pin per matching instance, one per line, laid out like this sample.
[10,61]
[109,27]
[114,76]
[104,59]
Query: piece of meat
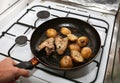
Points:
[48,44]
[61,44]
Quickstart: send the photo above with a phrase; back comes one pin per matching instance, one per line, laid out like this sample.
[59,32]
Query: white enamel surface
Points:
[4,4]
[9,9]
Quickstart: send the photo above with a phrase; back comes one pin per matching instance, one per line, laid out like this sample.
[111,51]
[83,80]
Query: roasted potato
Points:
[76,56]
[66,62]
[74,46]
[86,52]
[82,41]
[51,32]
[72,37]
[65,31]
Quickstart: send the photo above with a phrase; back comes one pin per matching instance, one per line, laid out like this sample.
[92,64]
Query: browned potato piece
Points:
[76,56]
[66,62]
[72,37]
[74,47]
[65,31]
[51,32]
[86,52]
[82,41]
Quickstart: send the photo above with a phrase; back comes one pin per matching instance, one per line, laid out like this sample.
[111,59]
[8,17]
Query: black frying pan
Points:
[78,27]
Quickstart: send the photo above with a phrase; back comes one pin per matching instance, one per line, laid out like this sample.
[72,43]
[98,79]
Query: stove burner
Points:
[21,40]
[43,14]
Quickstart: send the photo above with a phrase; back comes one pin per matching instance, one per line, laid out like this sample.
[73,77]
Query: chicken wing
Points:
[48,44]
[61,44]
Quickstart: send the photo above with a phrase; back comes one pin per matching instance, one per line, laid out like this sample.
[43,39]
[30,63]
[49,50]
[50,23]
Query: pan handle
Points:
[28,64]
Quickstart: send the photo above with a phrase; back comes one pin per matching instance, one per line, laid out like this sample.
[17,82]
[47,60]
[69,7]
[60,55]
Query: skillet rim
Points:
[58,68]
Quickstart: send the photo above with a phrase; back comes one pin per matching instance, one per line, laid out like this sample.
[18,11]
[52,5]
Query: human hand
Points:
[9,73]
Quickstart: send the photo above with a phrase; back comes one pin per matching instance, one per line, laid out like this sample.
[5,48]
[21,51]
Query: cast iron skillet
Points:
[78,27]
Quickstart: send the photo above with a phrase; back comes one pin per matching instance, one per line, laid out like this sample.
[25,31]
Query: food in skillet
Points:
[61,44]
[65,31]
[76,56]
[72,37]
[86,52]
[78,52]
[82,41]
[74,46]
[51,32]
[66,62]
[48,44]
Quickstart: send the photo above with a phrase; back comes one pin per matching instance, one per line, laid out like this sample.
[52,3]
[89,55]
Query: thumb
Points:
[23,72]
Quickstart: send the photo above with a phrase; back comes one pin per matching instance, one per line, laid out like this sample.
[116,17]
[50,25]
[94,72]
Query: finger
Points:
[9,60]
[22,72]
[12,61]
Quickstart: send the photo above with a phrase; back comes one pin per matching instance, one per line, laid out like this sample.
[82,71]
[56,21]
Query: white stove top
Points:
[24,23]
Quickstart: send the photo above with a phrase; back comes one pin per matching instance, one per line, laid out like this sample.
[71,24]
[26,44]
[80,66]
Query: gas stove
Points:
[16,40]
